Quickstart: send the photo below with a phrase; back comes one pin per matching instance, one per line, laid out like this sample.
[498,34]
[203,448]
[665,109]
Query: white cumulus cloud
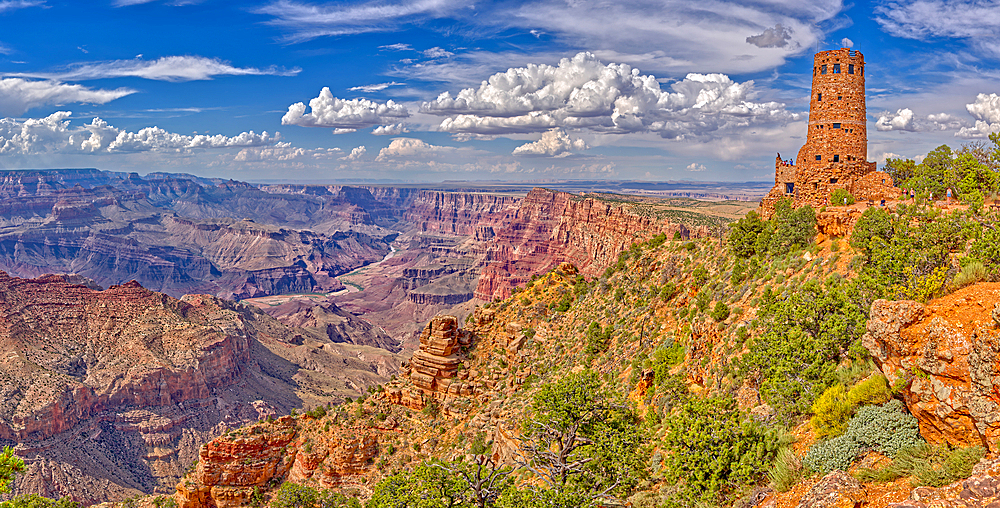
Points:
[390,130]
[53,134]
[168,68]
[332,112]
[906,120]
[408,148]
[553,143]
[18,95]
[694,166]
[355,154]
[902,120]
[986,111]
[582,92]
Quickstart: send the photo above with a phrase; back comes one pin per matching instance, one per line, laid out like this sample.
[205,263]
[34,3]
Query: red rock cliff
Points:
[109,393]
[552,227]
[459,214]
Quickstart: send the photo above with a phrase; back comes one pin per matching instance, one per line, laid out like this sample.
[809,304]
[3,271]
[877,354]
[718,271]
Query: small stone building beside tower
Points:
[835,155]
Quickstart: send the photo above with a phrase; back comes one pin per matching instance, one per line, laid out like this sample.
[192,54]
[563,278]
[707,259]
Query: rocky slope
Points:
[551,227]
[110,393]
[325,319]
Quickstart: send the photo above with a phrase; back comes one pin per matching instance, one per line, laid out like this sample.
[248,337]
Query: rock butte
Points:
[109,393]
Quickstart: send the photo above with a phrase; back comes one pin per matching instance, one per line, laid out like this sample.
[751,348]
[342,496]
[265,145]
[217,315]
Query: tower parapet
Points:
[836,150]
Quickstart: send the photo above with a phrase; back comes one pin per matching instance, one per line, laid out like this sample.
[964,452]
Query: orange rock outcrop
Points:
[232,468]
[947,356]
[433,369]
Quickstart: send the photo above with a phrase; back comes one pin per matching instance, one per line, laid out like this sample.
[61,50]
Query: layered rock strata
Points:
[107,394]
[233,467]
[551,227]
[945,357]
[113,235]
[434,367]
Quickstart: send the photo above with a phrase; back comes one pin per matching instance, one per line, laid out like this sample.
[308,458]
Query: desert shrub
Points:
[37,501]
[947,465]
[794,228]
[787,470]
[742,238]
[702,299]
[564,303]
[699,276]
[874,223]
[836,453]
[665,357]
[711,451]
[840,197]
[930,465]
[872,391]
[317,412]
[909,256]
[293,495]
[598,338]
[668,290]
[831,412]
[971,273]
[720,312]
[885,429]
[803,335]
[986,248]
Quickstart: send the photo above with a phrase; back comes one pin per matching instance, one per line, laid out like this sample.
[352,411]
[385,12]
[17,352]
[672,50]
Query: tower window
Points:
[850,68]
[822,69]
[833,180]
[836,158]
[789,188]
[836,68]
[819,157]
[840,97]
[819,97]
[836,126]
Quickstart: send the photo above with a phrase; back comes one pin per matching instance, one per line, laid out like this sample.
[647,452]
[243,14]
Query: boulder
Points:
[944,358]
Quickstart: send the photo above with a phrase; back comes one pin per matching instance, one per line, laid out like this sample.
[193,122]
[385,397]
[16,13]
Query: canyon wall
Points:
[551,227]
[459,214]
[110,393]
[113,235]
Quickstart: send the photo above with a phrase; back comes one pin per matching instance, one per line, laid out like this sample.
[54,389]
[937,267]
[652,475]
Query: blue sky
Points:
[431,90]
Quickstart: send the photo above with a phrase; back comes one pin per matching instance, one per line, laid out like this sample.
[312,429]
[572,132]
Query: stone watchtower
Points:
[836,150]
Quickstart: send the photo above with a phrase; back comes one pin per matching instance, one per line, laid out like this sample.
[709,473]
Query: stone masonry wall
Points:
[836,150]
